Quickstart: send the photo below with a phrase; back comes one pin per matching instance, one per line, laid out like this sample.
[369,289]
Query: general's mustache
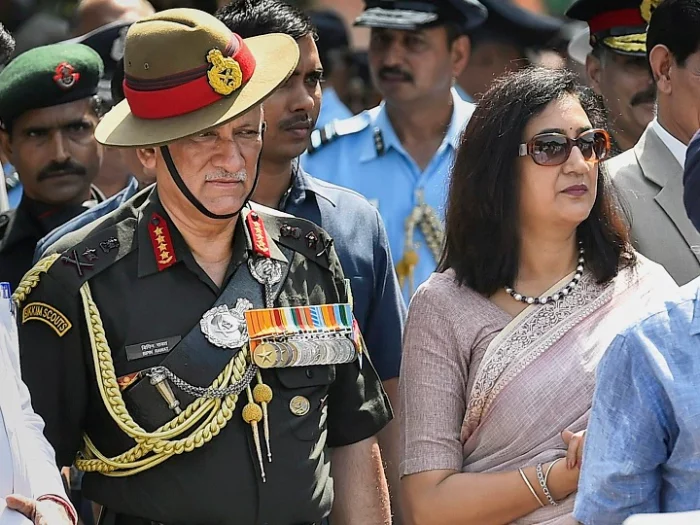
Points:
[238,176]
[61,168]
[644,97]
[395,72]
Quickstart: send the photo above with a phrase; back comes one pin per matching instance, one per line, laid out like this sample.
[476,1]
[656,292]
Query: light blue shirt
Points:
[642,450]
[387,175]
[332,108]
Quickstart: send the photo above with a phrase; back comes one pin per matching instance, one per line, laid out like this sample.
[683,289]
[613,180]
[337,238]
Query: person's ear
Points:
[661,60]
[594,68]
[459,54]
[148,158]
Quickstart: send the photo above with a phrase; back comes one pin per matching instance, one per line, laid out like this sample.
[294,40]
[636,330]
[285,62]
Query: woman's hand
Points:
[562,481]
[575,451]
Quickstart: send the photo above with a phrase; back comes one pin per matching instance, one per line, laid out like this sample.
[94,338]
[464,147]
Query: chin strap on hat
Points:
[165,151]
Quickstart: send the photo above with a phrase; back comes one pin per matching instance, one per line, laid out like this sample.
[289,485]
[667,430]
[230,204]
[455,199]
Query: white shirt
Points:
[672,143]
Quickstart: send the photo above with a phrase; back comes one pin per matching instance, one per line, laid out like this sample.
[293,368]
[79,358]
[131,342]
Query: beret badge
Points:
[66,76]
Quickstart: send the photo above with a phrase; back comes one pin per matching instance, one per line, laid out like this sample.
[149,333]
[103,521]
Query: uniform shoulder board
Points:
[83,258]
[300,235]
[337,128]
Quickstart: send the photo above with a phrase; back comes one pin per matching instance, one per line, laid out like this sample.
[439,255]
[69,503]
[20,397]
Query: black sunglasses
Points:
[553,149]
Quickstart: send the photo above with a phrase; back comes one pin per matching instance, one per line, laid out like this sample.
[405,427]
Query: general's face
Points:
[291,111]
[217,166]
[55,152]
[411,65]
[558,195]
[627,88]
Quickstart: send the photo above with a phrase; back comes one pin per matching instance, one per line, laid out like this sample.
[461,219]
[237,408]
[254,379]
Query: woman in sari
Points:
[502,344]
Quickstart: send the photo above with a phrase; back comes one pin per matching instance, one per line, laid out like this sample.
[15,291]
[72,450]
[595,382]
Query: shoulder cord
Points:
[215,413]
[424,217]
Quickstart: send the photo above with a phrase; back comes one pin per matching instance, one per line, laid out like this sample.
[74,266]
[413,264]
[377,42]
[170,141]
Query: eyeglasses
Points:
[553,149]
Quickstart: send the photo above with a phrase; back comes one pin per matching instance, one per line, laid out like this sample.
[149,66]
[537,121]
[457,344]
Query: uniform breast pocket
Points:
[302,395]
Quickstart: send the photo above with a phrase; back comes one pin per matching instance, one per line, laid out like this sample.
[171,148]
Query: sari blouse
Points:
[485,392]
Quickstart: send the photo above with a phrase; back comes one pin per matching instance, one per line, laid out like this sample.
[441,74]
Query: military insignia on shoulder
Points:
[334,129]
[66,76]
[48,315]
[225,75]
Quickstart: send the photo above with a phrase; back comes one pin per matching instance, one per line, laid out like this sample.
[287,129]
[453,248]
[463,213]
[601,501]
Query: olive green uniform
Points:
[145,303]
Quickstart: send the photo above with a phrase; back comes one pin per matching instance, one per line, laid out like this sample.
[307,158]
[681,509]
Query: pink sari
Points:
[537,376]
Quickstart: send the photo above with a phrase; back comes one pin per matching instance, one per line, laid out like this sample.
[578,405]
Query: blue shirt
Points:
[387,175]
[361,243]
[332,108]
[642,449]
[94,213]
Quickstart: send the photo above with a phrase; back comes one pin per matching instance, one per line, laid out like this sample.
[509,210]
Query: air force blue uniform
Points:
[362,246]
[364,153]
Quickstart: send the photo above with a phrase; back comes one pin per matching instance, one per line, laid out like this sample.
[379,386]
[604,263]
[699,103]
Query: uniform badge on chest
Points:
[224,326]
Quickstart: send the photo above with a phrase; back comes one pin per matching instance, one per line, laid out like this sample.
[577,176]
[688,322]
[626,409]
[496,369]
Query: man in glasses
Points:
[614,53]
[398,155]
[649,175]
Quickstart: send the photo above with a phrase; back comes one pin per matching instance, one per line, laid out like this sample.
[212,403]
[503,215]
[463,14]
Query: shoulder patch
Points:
[337,128]
[47,314]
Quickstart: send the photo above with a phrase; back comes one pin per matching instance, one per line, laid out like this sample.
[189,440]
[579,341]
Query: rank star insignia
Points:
[161,242]
[66,76]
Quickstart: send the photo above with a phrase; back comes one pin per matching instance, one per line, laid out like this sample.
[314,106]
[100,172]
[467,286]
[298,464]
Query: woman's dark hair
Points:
[483,227]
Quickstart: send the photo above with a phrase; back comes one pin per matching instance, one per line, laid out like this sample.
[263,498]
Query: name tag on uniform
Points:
[151,348]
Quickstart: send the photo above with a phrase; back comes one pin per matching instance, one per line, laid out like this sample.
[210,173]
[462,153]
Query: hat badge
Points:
[66,76]
[225,75]
[647,8]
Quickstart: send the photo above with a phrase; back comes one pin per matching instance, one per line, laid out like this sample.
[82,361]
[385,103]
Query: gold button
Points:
[299,406]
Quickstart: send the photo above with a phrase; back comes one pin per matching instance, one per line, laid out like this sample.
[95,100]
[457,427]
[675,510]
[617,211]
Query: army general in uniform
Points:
[171,346]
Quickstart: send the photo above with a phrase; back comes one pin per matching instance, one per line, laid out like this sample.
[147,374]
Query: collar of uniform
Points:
[147,264]
[379,119]
[272,232]
[302,183]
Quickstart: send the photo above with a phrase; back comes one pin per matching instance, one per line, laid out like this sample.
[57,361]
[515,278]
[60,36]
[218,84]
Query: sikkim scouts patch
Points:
[46,314]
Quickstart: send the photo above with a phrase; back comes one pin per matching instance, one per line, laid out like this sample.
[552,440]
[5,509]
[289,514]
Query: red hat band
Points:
[195,89]
[611,19]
